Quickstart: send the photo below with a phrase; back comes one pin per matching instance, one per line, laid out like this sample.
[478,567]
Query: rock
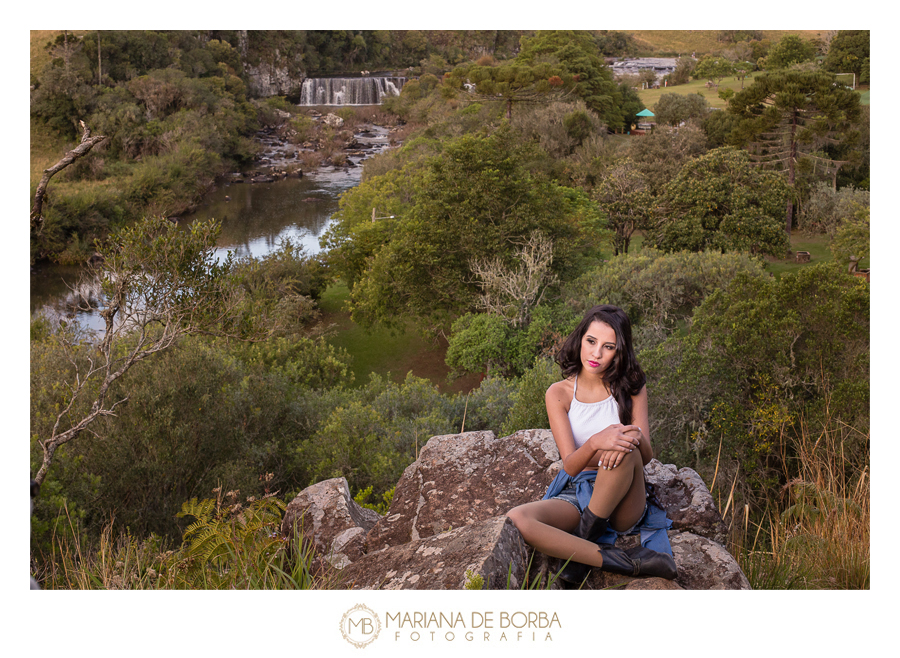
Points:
[492,549]
[448,515]
[687,501]
[705,564]
[263,179]
[701,562]
[326,514]
[460,479]
[333,120]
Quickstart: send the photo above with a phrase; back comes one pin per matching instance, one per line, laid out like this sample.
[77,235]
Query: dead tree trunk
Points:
[87,143]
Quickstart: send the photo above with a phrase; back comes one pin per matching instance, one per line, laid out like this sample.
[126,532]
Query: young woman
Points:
[598,416]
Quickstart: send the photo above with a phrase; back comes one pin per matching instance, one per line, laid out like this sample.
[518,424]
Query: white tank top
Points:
[588,418]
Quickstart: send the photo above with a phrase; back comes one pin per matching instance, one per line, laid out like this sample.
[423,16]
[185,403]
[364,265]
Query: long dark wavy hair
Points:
[624,376]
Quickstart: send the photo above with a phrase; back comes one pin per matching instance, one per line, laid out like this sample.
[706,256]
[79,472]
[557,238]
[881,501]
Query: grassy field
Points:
[381,352]
[650,97]
[700,42]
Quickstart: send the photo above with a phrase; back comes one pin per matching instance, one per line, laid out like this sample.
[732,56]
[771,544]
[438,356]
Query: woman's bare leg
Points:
[547,524]
[619,493]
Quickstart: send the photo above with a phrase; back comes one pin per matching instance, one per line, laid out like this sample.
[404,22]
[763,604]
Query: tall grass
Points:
[234,547]
[815,533]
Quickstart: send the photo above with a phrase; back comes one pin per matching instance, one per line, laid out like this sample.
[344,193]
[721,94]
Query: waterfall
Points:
[348,91]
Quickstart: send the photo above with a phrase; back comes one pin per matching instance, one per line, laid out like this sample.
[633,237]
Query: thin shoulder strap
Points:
[576,384]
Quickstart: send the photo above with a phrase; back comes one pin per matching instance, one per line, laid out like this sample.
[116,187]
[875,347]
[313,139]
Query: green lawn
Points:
[378,351]
[650,97]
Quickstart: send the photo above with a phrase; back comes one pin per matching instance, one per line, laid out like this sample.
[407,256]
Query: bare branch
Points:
[87,143]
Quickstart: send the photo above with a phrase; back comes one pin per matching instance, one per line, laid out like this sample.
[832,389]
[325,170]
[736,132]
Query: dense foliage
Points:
[720,201]
[476,199]
[742,366]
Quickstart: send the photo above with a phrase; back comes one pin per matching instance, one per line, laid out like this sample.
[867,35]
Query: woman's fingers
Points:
[611,459]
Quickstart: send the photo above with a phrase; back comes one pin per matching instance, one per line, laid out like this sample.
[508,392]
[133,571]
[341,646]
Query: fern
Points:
[231,543]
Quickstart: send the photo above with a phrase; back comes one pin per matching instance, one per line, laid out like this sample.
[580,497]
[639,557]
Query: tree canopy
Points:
[849,53]
[477,199]
[791,49]
[796,119]
[721,201]
[578,54]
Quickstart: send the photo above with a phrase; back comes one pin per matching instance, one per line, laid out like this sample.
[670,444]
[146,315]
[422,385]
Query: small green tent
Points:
[645,113]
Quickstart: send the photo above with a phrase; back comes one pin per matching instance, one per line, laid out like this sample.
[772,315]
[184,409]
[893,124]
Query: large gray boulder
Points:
[327,515]
[687,501]
[487,553]
[460,479]
[448,516]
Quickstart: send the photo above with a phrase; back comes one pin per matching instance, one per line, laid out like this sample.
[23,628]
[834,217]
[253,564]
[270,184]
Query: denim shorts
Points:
[568,495]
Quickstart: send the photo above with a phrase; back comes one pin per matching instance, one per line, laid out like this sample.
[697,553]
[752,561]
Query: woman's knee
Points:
[518,516]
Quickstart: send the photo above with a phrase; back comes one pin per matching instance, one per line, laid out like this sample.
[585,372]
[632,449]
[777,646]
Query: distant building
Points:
[662,66]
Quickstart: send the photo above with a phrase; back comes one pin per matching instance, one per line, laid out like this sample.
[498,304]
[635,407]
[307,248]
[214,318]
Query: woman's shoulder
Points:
[562,391]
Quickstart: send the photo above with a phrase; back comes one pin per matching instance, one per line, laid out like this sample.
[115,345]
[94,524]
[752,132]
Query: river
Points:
[255,218]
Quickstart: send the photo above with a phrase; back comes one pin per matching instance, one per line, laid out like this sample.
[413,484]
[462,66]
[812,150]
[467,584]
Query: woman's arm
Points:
[620,438]
[558,400]
[640,416]
[639,431]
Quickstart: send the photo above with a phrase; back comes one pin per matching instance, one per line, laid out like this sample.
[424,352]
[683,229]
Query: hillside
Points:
[685,42]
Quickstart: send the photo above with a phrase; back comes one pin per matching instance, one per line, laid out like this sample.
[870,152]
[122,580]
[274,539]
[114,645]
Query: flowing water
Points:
[349,91]
[255,218]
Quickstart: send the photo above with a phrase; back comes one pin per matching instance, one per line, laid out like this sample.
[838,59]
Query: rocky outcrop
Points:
[267,79]
[327,515]
[459,479]
[687,501]
[488,553]
[448,517]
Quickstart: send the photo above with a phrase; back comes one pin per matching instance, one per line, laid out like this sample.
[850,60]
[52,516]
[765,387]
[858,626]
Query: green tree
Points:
[157,284]
[510,83]
[684,67]
[673,109]
[761,354]
[658,291]
[721,201]
[795,120]
[851,240]
[623,195]
[477,199]
[660,155]
[849,53]
[791,49]
[713,68]
[577,53]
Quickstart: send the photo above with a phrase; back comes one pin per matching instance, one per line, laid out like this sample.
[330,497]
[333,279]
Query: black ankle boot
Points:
[590,527]
[638,561]
[653,563]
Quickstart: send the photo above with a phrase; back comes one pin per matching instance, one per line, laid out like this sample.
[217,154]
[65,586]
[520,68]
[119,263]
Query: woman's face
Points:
[598,347]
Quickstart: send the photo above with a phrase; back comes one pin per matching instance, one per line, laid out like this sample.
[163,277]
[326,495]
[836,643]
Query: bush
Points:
[658,291]
[828,208]
[529,409]
[761,355]
[558,127]
[371,434]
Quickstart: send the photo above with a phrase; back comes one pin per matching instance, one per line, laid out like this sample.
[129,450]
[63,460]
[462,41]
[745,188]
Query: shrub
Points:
[529,409]
[761,354]
[658,291]
[828,208]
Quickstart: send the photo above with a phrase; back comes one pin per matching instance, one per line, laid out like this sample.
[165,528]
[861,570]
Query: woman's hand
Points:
[610,459]
[620,438]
